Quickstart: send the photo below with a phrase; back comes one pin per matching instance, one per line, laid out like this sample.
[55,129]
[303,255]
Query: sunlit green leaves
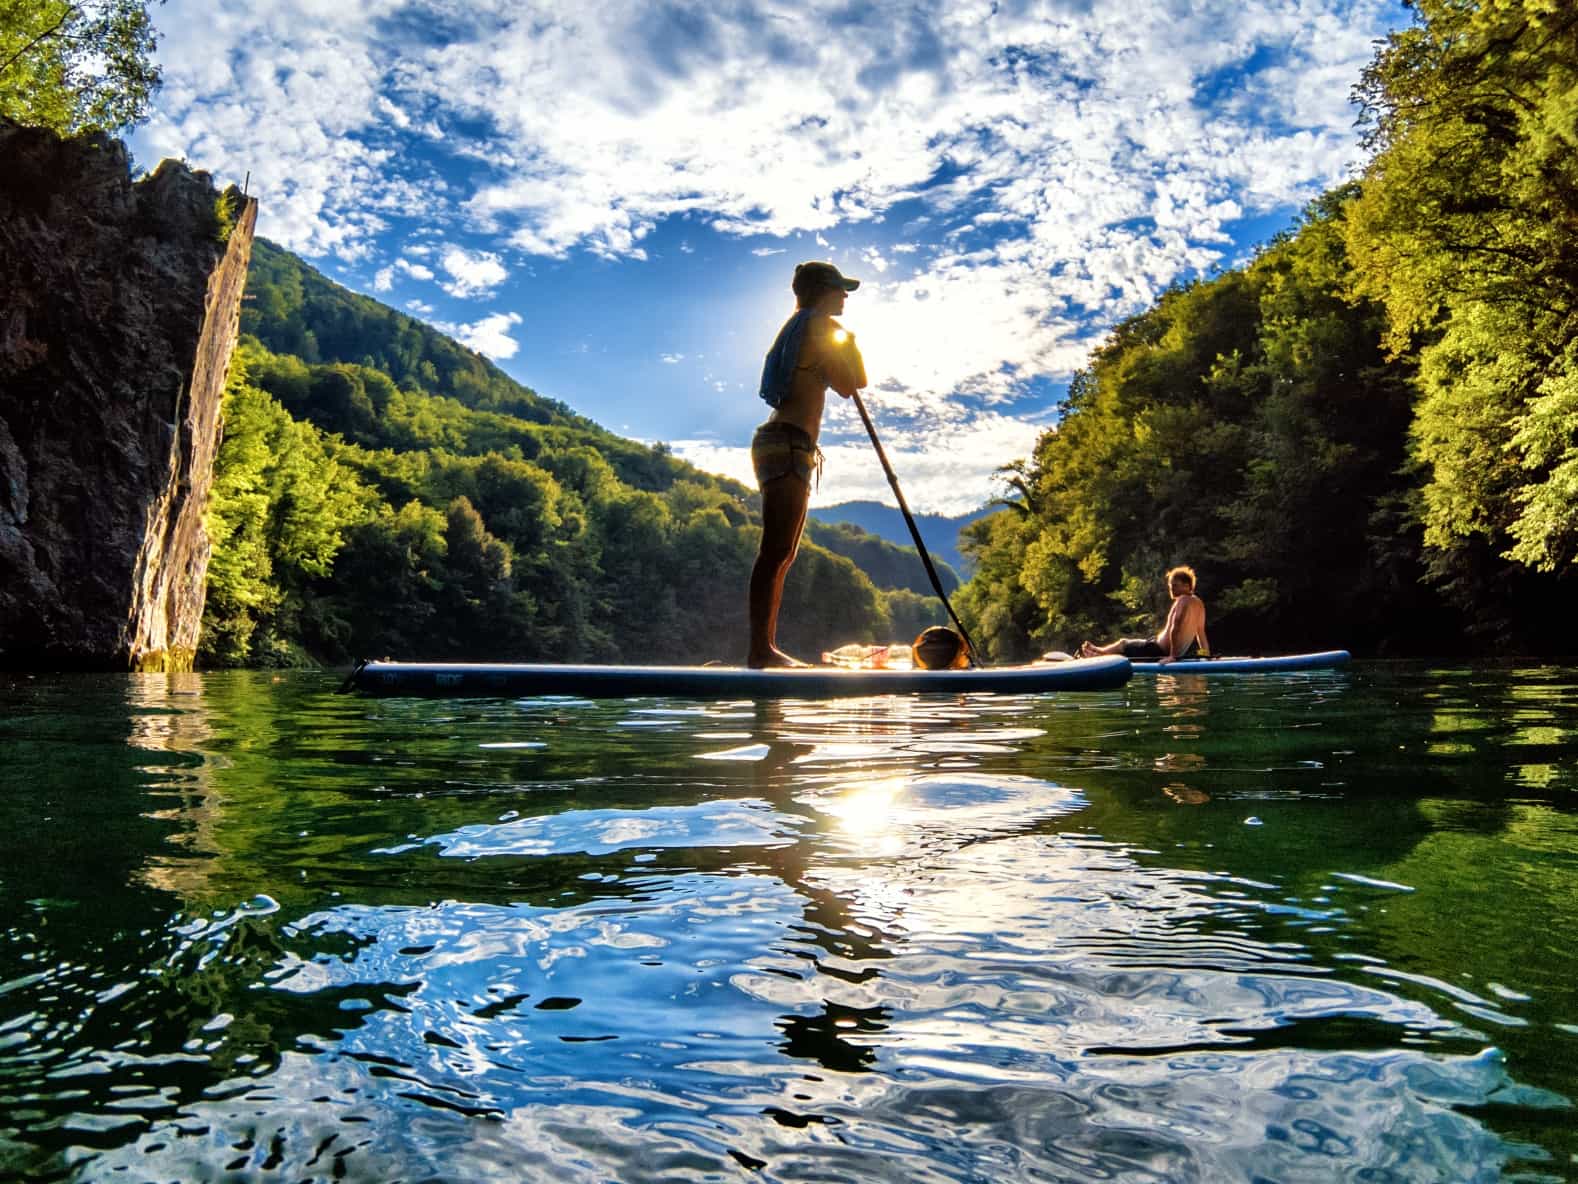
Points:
[75,67]
[1467,230]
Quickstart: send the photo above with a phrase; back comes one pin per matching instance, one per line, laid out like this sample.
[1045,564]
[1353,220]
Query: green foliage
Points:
[887,565]
[225,206]
[909,612]
[278,516]
[996,605]
[76,67]
[1546,530]
[1464,231]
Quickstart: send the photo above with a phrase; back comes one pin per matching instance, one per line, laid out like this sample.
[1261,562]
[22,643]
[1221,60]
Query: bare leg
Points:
[784,503]
[1086,650]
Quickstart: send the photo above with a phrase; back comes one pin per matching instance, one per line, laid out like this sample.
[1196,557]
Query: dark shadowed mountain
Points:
[940,531]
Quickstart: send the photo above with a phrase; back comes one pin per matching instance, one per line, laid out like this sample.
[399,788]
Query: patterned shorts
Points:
[779,449]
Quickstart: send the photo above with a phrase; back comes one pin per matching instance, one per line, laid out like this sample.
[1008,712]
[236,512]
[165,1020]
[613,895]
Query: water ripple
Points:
[256,930]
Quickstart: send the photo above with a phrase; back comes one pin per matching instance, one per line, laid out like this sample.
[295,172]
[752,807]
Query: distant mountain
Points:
[888,565]
[940,531]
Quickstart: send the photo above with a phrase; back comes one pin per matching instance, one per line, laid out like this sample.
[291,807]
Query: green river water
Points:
[1301,927]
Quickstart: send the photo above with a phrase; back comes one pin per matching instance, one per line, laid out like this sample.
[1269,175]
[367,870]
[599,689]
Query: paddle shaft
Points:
[909,520]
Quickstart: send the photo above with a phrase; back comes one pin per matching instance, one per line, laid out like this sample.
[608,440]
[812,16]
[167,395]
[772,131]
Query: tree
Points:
[1467,231]
[279,514]
[76,67]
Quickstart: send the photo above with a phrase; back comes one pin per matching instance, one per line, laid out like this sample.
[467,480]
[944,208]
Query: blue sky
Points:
[608,198]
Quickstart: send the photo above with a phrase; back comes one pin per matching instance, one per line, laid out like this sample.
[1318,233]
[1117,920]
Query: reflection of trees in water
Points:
[1173,763]
[169,715]
[1185,698]
[105,953]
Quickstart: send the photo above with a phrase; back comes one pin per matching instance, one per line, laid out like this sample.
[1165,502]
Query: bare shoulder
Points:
[826,335]
[820,323]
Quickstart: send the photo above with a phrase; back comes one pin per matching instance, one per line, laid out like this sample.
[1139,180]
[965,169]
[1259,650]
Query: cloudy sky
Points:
[608,197]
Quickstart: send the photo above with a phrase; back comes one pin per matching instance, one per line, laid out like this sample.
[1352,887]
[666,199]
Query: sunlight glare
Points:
[867,812]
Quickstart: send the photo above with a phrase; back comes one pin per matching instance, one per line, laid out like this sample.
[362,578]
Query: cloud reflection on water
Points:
[606,958]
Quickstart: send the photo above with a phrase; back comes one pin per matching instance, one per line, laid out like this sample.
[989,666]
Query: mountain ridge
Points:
[940,531]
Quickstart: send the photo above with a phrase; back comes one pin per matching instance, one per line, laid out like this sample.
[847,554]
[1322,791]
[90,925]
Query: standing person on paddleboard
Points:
[812,353]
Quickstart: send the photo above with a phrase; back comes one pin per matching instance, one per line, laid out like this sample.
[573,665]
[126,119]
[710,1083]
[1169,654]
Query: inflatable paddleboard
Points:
[1229,665]
[488,680]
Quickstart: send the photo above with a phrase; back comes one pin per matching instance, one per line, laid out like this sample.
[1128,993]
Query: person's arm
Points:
[842,366]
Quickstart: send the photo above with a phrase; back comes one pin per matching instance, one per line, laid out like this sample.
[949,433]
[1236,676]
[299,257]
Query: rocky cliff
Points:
[119,304]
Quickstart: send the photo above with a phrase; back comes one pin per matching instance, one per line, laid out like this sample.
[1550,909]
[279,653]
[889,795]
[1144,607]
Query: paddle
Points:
[909,520]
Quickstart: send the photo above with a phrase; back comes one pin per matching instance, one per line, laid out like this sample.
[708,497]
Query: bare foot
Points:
[774,659]
[1086,650]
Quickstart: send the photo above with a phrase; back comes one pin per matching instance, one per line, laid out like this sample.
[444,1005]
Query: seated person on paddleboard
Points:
[1182,637]
[812,353]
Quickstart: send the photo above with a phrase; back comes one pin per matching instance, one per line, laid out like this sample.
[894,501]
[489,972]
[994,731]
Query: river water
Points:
[1300,927]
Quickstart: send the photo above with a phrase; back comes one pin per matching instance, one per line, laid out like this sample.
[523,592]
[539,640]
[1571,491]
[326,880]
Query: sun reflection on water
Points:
[941,938]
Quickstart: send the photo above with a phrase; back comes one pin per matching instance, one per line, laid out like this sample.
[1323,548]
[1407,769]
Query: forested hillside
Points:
[1369,435]
[383,490]
[940,531]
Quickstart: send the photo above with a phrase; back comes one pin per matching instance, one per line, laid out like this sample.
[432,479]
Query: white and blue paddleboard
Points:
[490,680]
[1324,660]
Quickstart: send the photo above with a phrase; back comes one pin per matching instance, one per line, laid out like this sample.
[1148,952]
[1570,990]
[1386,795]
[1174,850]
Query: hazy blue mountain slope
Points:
[940,531]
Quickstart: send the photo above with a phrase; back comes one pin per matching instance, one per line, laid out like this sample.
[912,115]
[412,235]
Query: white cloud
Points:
[595,122]
[952,476]
[393,113]
[1059,163]
[711,456]
[383,279]
[672,359]
[490,336]
[471,273]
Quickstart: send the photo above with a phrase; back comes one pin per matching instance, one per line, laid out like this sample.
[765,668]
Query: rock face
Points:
[118,311]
